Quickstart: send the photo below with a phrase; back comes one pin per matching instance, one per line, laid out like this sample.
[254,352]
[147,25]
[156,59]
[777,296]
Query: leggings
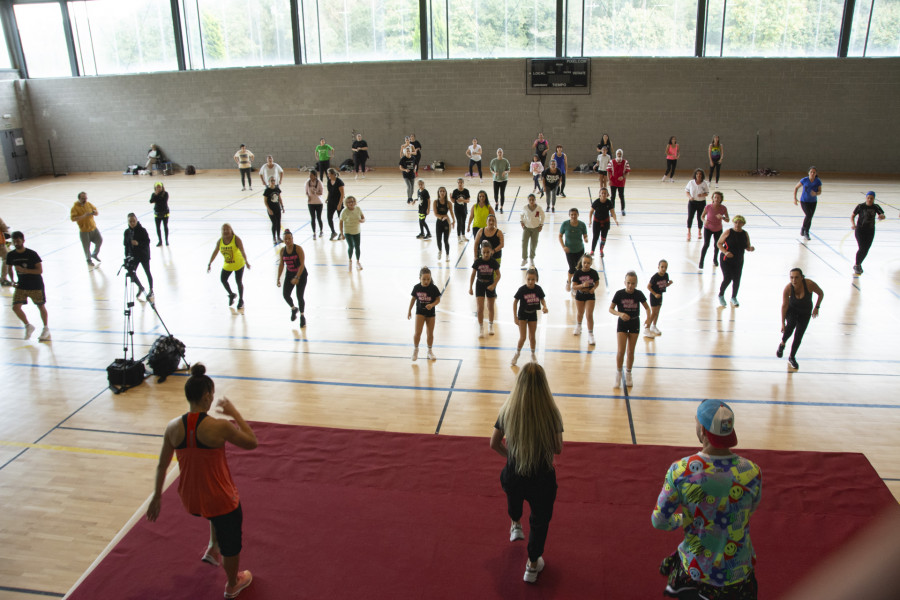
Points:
[275,217]
[332,209]
[562,184]
[315,214]
[359,164]
[500,186]
[621,190]
[707,233]
[442,230]
[731,273]
[572,258]
[89,237]
[352,243]
[551,196]
[537,183]
[461,211]
[695,206]
[864,237]
[601,228]
[540,492]
[798,321]
[410,182]
[238,277]
[246,173]
[475,163]
[145,262]
[165,222]
[322,166]
[423,226]
[716,166]
[670,166]
[809,209]
[288,287]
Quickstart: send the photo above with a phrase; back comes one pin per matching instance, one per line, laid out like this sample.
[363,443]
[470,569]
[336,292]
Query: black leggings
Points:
[621,196]
[864,237]
[670,166]
[246,173]
[423,226]
[717,166]
[706,235]
[695,206]
[795,323]
[134,277]
[562,184]
[601,228]
[572,258]
[731,273]
[275,217]
[165,222]
[288,287]
[540,492]
[321,167]
[315,214]
[442,230]
[473,163]
[461,211]
[332,210]
[809,209]
[238,277]
[500,186]
[359,164]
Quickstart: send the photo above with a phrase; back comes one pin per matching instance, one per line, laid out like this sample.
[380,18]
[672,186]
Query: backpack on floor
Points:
[165,355]
[347,165]
[190,170]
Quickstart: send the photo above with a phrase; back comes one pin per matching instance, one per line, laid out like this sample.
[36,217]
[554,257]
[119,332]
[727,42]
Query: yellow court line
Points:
[80,450]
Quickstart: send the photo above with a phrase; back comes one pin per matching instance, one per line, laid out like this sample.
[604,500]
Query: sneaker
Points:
[533,357]
[655,330]
[501,210]
[29,329]
[240,305]
[428,236]
[699,234]
[618,382]
[421,236]
[715,263]
[648,333]
[244,189]
[623,212]
[6,283]
[212,556]
[601,253]
[415,354]
[807,237]
[721,300]
[490,329]
[780,352]
[231,298]
[531,572]
[735,303]
[553,209]
[243,580]
[321,234]
[139,292]
[447,257]
[431,355]
[561,195]
[700,266]
[591,341]
[689,235]
[302,321]
[341,237]
[294,311]
[90,263]
[513,362]
[664,178]
[671,180]
[481,330]
[857,270]
[95,257]
[439,255]
[524,262]
[515,530]
[568,286]
[158,244]
[628,380]
[577,330]
[359,266]
[793,362]
[333,235]
[151,297]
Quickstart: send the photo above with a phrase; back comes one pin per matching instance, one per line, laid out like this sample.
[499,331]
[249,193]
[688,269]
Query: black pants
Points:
[315,214]
[461,211]
[332,210]
[695,207]
[716,167]
[601,228]
[706,235]
[540,492]
[809,209]
[246,173]
[473,163]
[275,217]
[288,287]
[670,166]
[864,238]
[321,167]
[165,223]
[145,262]
[572,258]
[500,186]
[359,164]
[442,230]
[795,323]
[238,277]
[562,184]
[621,196]
[423,226]
[731,273]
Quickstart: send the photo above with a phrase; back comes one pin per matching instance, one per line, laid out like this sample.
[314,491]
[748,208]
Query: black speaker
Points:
[124,374]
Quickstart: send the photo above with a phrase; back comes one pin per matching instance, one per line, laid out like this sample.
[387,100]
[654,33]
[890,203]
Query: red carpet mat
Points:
[332,514]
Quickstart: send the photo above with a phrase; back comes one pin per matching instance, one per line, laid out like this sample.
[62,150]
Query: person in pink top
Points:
[618,169]
[314,191]
[672,156]
[713,216]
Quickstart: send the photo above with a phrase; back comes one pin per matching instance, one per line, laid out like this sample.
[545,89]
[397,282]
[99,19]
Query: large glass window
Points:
[237,33]
[123,36]
[43,39]
[501,28]
[876,28]
[360,30]
[774,27]
[632,27]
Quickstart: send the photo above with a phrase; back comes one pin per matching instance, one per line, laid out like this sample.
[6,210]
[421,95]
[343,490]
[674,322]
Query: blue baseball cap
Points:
[870,194]
[717,419]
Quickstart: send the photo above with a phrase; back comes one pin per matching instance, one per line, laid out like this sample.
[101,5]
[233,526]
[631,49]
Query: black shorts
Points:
[631,326]
[685,587]
[584,296]
[527,316]
[482,291]
[654,301]
[428,314]
[228,531]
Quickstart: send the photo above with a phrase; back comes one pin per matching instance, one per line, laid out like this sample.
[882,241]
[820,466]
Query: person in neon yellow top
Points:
[232,249]
[478,216]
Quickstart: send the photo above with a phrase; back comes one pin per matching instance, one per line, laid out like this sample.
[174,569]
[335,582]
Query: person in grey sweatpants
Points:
[532,220]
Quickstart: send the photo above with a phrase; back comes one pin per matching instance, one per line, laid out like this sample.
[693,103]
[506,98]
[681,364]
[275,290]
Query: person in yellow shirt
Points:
[232,249]
[83,213]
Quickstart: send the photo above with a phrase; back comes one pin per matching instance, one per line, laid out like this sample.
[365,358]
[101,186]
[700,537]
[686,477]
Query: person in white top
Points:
[314,191]
[696,190]
[602,163]
[271,169]
[474,154]
[536,169]
[532,219]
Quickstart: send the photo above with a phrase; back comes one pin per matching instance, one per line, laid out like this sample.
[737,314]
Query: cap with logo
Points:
[717,419]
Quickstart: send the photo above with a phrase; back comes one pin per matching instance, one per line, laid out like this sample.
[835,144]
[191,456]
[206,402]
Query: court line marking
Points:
[154,435]
[449,394]
[635,253]
[77,449]
[756,207]
[628,409]
[17,590]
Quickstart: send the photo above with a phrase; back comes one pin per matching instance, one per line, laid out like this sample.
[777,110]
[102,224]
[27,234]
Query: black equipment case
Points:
[125,373]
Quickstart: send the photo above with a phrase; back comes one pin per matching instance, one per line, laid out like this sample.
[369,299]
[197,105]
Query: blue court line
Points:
[4,588]
[635,252]
[512,208]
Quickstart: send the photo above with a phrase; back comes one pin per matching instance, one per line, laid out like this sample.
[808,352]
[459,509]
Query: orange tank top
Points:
[205,483]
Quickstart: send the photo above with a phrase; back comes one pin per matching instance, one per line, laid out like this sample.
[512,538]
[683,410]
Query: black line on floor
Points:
[509,213]
[757,208]
[449,393]
[628,408]
[4,588]
[370,193]
[153,435]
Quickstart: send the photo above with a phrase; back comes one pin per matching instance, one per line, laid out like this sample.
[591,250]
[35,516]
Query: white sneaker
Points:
[513,362]
[656,330]
[431,355]
[531,573]
[481,330]
[491,328]
[664,179]
[29,329]
[524,262]
[671,180]
[628,381]
[415,354]
[45,335]
[568,286]
[648,333]
[618,382]
[439,255]
[447,257]
[533,357]
[577,330]
[591,341]
[515,532]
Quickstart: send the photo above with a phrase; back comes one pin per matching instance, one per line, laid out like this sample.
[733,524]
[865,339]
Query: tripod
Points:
[127,372]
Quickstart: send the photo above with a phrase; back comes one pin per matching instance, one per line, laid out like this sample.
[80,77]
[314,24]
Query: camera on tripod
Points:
[131,263]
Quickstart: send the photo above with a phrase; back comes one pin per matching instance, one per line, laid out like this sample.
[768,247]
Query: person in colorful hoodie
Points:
[711,495]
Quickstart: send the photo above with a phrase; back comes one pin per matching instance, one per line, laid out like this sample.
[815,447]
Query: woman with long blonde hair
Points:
[532,426]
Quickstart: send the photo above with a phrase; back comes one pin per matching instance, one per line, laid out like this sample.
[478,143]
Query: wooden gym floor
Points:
[76,461]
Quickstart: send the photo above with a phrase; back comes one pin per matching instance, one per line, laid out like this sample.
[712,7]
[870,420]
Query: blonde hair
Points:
[531,421]
[740,218]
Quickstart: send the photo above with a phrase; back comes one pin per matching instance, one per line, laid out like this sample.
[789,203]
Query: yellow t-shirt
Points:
[480,215]
[79,209]
[234,259]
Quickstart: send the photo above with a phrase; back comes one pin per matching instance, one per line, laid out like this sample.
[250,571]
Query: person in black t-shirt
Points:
[137,252]
[293,258]
[360,156]
[657,287]
[408,170]
[160,201]
[528,300]
[461,199]
[424,208]
[274,207]
[584,284]
[335,199]
[425,296]
[601,210]
[487,270]
[626,304]
[868,213]
[416,150]
[28,267]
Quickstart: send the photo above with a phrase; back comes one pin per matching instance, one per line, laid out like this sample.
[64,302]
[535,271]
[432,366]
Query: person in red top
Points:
[618,169]
[205,483]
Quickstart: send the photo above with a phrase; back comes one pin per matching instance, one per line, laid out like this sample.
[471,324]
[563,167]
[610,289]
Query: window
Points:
[43,39]
[123,36]
[876,28]
[501,28]
[773,27]
[237,33]
[632,27]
